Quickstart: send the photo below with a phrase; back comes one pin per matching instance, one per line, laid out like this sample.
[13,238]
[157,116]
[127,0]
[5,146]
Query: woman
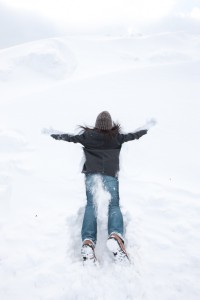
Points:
[102,145]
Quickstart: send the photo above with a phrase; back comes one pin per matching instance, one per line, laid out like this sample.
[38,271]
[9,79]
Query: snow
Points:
[53,85]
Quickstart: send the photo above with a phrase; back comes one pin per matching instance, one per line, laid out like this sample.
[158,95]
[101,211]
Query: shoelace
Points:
[121,254]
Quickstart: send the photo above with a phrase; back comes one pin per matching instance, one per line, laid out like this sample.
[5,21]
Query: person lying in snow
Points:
[102,145]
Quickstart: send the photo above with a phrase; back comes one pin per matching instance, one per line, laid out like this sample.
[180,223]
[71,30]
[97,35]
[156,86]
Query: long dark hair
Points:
[109,133]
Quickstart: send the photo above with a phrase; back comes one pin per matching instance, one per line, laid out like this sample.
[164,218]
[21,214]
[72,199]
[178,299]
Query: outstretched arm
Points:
[132,136]
[139,132]
[69,138]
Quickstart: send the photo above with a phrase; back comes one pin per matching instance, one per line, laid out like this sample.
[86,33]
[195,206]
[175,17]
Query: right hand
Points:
[150,123]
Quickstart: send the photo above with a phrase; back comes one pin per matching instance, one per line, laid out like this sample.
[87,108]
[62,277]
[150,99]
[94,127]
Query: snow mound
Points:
[50,58]
[169,57]
[153,49]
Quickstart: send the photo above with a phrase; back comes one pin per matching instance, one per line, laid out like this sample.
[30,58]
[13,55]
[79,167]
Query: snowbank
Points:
[49,58]
[58,84]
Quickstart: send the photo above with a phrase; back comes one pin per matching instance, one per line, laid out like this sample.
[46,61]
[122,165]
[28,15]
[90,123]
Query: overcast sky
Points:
[27,20]
[86,12]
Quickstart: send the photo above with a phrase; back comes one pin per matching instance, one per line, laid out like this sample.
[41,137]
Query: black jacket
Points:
[101,151]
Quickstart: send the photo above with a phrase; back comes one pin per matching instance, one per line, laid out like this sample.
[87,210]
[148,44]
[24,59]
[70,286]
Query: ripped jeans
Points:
[115,219]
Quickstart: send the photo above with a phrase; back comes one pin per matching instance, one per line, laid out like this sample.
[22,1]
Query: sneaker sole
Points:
[115,248]
[90,262]
[88,256]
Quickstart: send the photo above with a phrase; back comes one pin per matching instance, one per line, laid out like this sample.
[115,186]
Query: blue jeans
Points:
[115,219]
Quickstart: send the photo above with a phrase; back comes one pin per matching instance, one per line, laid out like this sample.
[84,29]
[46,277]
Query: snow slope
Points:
[64,82]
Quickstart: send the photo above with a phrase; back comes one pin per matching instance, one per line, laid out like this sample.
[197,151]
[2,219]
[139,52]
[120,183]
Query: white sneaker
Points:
[116,245]
[88,254]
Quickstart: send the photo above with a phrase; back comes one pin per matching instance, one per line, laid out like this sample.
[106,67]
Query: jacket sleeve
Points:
[132,136]
[70,138]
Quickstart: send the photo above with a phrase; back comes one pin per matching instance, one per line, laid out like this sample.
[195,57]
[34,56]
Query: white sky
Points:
[86,13]
[97,11]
